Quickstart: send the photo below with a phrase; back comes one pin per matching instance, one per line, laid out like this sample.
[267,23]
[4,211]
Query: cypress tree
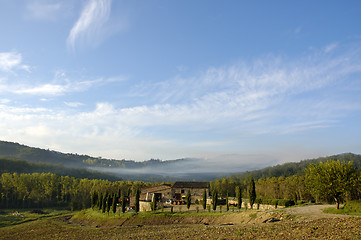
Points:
[154,203]
[252,192]
[188,199]
[104,203]
[109,200]
[94,200]
[204,199]
[114,203]
[100,201]
[239,196]
[227,205]
[124,202]
[214,200]
[137,196]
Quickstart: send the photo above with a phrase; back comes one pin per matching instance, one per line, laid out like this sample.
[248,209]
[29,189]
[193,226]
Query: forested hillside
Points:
[10,150]
[21,166]
[294,168]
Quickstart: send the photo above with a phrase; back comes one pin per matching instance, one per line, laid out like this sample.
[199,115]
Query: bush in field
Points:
[352,207]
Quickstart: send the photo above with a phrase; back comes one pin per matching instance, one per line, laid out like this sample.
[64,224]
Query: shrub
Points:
[352,207]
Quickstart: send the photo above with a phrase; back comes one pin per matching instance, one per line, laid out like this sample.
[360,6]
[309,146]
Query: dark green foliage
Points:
[204,203]
[214,200]
[104,204]
[39,190]
[124,203]
[109,203]
[114,203]
[100,201]
[94,200]
[275,202]
[227,204]
[137,196]
[239,197]
[154,202]
[252,191]
[188,199]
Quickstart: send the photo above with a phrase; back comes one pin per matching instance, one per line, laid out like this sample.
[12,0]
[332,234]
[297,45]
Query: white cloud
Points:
[74,104]
[10,61]
[46,89]
[89,28]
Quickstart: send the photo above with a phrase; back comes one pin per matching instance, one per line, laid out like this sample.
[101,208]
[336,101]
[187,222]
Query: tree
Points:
[100,201]
[214,200]
[109,200]
[154,202]
[188,199]
[204,199]
[227,205]
[331,179]
[239,197]
[104,203]
[252,192]
[124,202]
[94,200]
[114,203]
[137,196]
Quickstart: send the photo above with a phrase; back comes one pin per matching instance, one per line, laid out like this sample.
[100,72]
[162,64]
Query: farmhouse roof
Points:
[190,185]
[156,188]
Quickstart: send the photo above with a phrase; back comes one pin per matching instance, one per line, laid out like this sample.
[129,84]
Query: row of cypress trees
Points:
[106,202]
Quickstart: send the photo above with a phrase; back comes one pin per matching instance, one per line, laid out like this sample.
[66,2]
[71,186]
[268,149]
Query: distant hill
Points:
[21,166]
[294,168]
[152,170]
[10,150]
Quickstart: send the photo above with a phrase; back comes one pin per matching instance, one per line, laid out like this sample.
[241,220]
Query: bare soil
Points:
[308,222]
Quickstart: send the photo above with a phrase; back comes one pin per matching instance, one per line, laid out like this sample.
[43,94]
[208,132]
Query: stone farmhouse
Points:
[175,193]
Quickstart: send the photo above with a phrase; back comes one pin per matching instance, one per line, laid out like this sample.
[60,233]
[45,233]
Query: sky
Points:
[255,82]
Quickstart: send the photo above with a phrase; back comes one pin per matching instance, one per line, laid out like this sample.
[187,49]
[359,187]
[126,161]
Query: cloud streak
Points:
[88,29]
[43,10]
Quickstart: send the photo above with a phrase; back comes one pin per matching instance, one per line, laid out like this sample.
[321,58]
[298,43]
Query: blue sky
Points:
[239,81]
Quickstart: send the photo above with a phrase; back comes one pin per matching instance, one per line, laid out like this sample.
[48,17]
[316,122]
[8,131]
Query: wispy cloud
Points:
[44,10]
[214,112]
[89,28]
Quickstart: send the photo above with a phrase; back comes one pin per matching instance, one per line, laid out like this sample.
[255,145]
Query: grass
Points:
[98,215]
[350,208]
[7,218]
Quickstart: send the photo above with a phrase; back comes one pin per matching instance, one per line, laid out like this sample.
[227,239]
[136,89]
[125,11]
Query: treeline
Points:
[294,168]
[37,190]
[20,166]
[325,181]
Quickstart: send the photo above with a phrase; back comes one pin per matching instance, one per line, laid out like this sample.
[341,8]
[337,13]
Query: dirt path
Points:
[312,212]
